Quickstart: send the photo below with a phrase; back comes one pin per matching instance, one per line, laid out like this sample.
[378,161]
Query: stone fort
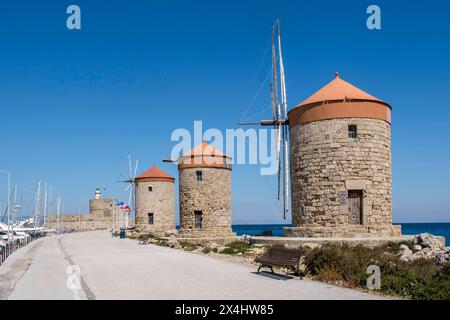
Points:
[103,215]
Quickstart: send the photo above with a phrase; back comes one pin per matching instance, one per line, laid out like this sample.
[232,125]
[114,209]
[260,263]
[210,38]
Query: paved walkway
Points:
[114,268]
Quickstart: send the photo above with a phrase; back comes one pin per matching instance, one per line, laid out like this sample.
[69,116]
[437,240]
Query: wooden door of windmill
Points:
[355,206]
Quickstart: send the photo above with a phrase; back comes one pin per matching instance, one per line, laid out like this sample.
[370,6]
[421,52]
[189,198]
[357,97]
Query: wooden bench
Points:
[280,257]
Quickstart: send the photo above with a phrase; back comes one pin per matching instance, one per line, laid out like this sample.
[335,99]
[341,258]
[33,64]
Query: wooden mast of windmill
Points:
[279,117]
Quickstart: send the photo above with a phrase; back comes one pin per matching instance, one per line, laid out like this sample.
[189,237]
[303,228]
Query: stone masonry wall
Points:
[160,201]
[326,163]
[212,196]
[101,207]
[79,222]
[100,217]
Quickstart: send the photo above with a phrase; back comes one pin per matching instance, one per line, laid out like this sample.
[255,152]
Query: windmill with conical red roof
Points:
[154,198]
[340,158]
[205,193]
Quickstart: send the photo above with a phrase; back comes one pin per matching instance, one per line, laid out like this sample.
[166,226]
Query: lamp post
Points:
[9,206]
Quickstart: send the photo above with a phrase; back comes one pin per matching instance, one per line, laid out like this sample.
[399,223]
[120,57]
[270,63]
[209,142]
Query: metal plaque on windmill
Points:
[343,195]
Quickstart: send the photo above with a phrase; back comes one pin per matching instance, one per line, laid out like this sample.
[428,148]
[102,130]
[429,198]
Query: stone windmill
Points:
[204,193]
[339,148]
[154,194]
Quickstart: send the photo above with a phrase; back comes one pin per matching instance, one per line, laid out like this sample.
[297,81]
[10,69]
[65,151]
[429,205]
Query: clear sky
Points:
[74,103]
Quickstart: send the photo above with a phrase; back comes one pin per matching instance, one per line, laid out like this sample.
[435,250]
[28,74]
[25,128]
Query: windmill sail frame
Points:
[279,120]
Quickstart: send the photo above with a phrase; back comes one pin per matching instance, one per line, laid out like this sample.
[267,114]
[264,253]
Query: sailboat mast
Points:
[45,202]
[37,206]
[15,207]
[50,205]
[58,210]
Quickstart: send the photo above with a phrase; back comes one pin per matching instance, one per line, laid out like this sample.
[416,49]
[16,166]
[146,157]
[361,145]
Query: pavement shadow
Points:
[275,276]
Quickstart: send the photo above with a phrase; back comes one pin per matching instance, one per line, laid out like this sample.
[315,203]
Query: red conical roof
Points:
[338,90]
[339,99]
[204,149]
[204,155]
[154,174]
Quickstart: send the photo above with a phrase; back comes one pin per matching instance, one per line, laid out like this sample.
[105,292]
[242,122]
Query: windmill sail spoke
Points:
[286,168]
[275,77]
[135,169]
[282,78]
[130,195]
[129,164]
[272,102]
[279,115]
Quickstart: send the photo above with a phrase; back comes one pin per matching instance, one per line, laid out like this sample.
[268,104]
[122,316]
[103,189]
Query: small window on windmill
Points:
[150,189]
[150,218]
[198,219]
[199,175]
[352,131]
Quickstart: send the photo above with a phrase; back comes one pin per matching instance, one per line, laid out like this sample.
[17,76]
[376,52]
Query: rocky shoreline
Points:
[426,246]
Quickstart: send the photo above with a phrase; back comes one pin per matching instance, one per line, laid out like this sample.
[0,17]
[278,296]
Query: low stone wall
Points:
[346,231]
[295,241]
[205,240]
[81,222]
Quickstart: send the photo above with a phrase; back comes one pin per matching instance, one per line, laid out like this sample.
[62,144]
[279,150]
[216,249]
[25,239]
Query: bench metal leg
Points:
[297,271]
[262,266]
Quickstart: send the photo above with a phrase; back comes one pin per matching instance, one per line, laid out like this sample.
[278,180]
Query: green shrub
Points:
[394,247]
[206,250]
[345,265]
[236,247]
[161,242]
[228,251]
[188,246]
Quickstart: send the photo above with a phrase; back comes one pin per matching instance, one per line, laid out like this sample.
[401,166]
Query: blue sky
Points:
[74,103]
